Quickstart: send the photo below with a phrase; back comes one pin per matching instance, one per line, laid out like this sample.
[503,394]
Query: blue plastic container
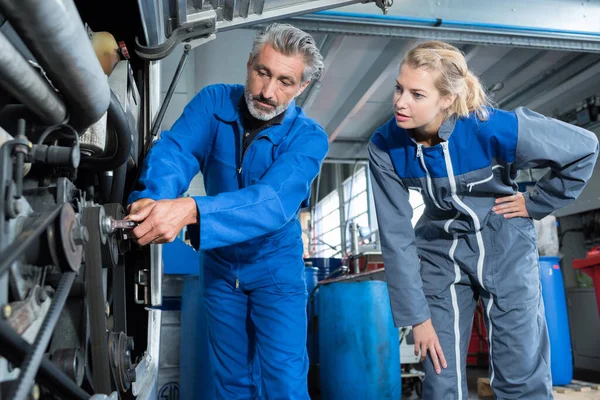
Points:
[553,293]
[312,276]
[196,379]
[359,345]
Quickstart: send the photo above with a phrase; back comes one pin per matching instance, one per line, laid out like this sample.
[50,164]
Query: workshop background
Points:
[522,56]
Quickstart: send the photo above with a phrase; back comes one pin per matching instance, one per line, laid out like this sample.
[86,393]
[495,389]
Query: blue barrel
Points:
[196,378]
[326,266]
[312,276]
[553,293]
[358,342]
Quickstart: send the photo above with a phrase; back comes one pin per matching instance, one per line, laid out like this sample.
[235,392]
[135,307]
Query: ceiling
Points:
[354,95]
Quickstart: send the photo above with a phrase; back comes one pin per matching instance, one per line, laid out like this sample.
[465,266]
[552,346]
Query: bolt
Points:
[190,29]
[208,25]
[6,311]
[80,235]
[42,295]
[106,225]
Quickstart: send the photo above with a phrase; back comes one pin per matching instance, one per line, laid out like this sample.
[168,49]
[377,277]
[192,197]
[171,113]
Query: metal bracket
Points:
[384,5]
[202,24]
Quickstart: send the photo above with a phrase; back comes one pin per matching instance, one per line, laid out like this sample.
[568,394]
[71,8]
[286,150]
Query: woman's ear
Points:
[447,101]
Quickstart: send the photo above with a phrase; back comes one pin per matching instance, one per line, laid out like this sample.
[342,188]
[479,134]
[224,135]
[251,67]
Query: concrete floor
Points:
[472,375]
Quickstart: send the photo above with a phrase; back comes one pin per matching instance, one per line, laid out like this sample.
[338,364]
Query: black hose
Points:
[15,349]
[53,31]
[117,117]
[118,184]
[31,365]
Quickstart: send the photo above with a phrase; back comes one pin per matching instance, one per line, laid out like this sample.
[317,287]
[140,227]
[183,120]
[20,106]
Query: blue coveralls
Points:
[250,236]
[460,250]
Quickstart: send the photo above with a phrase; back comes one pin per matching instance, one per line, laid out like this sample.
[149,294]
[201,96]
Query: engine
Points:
[72,134]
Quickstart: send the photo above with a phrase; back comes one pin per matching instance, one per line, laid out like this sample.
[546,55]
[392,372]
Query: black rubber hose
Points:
[31,365]
[118,184]
[116,117]
[54,32]
[15,349]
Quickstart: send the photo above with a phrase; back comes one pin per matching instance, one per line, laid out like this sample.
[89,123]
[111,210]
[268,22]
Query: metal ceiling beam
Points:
[348,149]
[509,65]
[565,86]
[548,80]
[329,49]
[278,13]
[470,33]
[528,72]
[381,73]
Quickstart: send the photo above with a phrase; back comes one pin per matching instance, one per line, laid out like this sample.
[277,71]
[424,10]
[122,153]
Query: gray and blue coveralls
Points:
[460,250]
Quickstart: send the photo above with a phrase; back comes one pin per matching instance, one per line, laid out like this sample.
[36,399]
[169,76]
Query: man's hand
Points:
[138,205]
[161,221]
[426,340]
[511,206]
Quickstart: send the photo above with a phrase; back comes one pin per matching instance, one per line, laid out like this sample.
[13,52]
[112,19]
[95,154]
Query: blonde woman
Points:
[476,237]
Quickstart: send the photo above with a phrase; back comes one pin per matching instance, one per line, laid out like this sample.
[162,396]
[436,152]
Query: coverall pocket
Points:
[516,274]
[287,277]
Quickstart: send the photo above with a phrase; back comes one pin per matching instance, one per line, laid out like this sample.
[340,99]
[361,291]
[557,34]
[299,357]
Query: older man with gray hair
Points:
[259,154]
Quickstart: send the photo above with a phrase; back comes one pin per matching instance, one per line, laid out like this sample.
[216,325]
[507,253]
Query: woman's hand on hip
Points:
[511,206]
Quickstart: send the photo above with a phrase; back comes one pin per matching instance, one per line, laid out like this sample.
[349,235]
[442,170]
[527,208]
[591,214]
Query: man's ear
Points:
[249,63]
[302,87]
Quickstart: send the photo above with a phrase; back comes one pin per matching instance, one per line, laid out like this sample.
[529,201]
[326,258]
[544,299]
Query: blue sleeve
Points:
[397,236]
[264,207]
[568,151]
[175,158]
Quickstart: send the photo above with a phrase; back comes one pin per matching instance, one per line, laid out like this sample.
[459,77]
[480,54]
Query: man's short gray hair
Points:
[289,40]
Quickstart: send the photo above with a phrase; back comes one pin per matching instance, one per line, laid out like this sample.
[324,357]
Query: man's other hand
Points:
[161,221]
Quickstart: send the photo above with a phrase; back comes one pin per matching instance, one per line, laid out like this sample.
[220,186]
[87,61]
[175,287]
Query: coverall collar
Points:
[447,128]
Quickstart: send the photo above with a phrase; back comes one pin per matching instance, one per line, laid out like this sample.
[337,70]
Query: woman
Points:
[476,237]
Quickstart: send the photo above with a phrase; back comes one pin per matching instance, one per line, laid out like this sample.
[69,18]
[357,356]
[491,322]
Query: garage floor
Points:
[472,375]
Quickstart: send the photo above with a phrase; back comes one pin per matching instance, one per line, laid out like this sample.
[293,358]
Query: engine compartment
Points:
[73,125]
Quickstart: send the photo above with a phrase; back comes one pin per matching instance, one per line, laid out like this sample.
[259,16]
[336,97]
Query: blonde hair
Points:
[453,77]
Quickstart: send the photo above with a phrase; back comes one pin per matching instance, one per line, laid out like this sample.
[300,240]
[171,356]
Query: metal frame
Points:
[407,28]
[217,15]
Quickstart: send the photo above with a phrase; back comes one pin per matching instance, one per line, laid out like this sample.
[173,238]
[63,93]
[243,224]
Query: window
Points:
[327,227]
[358,207]
[356,202]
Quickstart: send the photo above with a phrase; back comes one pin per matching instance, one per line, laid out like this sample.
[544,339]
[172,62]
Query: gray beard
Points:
[259,113]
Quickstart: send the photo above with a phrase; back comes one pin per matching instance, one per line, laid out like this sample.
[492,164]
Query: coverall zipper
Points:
[239,170]
[428,177]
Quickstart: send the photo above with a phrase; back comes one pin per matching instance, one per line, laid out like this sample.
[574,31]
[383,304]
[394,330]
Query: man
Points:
[258,154]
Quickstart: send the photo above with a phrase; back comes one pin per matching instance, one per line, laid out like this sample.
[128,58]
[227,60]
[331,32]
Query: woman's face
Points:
[417,102]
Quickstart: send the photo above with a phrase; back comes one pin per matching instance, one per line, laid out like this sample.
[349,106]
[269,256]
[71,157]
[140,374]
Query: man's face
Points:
[273,81]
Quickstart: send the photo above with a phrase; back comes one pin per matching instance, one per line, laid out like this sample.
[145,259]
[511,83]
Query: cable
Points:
[55,128]
[562,235]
